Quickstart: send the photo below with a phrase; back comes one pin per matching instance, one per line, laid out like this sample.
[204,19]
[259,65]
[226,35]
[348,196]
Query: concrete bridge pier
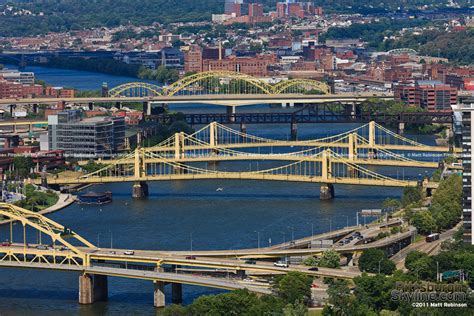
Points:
[91,106]
[294,130]
[230,110]
[326,191]
[243,127]
[176,293]
[92,288]
[240,274]
[401,128]
[159,294]
[118,105]
[146,108]
[140,190]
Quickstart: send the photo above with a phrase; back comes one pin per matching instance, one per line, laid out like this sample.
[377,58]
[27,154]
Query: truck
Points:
[432,237]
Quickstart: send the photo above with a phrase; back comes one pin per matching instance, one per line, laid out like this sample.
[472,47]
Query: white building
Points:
[467,111]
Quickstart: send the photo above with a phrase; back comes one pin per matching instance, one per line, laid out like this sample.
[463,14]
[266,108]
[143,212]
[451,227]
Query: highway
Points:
[431,248]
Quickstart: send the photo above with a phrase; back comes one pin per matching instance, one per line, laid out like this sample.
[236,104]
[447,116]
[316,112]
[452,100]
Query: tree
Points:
[424,222]
[420,264]
[23,165]
[372,259]
[330,259]
[410,195]
[293,287]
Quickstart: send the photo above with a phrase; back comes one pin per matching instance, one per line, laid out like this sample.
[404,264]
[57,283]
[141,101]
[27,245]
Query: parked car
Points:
[281,264]
[313,269]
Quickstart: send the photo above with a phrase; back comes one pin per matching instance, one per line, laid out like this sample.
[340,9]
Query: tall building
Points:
[467,178]
[85,138]
[233,7]
[255,10]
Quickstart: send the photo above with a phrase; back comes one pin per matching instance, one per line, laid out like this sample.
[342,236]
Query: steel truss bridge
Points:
[60,248]
[331,160]
[313,113]
[221,82]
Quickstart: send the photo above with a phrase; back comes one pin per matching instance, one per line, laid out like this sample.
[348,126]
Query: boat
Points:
[95,198]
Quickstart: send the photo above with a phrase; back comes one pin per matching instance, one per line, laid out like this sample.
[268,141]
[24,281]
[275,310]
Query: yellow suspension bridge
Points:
[331,160]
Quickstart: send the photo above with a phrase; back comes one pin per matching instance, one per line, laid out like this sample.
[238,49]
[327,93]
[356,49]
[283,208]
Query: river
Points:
[178,211]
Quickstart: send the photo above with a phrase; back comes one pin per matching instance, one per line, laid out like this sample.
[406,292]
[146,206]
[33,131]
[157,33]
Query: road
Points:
[431,248]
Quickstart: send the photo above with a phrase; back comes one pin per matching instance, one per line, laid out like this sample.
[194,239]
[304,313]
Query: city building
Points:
[198,59]
[233,7]
[17,76]
[428,94]
[85,138]
[467,111]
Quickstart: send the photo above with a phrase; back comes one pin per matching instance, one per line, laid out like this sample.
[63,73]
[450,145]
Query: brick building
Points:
[428,94]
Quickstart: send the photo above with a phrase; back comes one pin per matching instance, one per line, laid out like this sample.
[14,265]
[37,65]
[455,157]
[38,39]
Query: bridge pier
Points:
[91,106]
[293,131]
[240,274]
[118,105]
[176,293]
[243,127]
[92,288]
[230,114]
[326,191]
[401,128]
[140,190]
[159,294]
[146,108]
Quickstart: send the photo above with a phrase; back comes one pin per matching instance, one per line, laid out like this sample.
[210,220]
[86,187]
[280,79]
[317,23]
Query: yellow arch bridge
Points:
[331,160]
[37,242]
[220,82]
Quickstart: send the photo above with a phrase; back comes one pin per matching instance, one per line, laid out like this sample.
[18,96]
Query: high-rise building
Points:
[255,9]
[85,138]
[467,178]
[233,7]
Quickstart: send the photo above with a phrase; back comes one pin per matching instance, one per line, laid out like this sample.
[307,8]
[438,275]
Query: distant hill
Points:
[63,15]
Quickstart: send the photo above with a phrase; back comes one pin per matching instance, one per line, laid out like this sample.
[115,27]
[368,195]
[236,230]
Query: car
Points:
[129,252]
[313,269]
[314,285]
[191,257]
[42,247]
[62,248]
[6,244]
[281,264]
[250,261]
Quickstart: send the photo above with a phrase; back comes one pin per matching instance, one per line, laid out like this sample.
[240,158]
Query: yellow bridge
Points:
[331,160]
[60,248]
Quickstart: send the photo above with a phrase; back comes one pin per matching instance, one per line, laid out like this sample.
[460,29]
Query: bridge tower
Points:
[140,188]
[352,143]
[326,191]
[213,141]
[178,150]
[372,150]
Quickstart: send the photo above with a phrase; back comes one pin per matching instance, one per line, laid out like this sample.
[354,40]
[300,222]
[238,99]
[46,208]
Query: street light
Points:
[191,240]
[258,238]
[284,236]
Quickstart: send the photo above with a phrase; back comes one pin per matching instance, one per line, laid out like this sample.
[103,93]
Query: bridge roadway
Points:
[387,182]
[273,157]
[224,99]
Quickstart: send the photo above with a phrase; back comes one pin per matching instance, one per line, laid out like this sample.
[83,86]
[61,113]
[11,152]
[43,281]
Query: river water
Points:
[180,211]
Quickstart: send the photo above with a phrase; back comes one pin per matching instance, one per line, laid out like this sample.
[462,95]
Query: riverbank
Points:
[64,200]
